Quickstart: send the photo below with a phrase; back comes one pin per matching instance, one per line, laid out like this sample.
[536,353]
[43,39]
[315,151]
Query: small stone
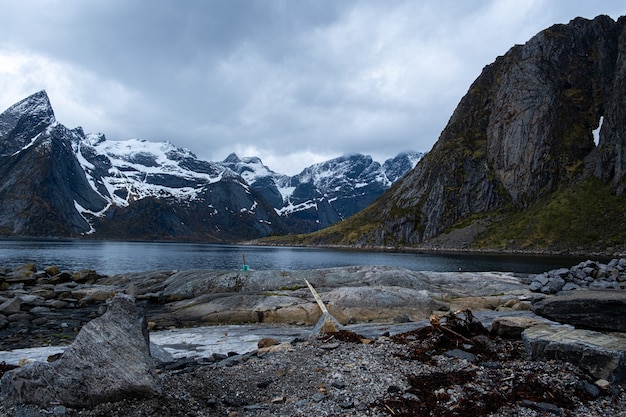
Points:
[553,286]
[21,317]
[59,411]
[330,346]
[490,365]
[402,318]
[512,327]
[461,354]
[347,404]
[264,384]
[338,385]
[278,400]
[52,270]
[255,407]
[542,407]
[602,383]
[410,396]
[590,389]
[267,342]
[40,321]
[318,397]
[11,306]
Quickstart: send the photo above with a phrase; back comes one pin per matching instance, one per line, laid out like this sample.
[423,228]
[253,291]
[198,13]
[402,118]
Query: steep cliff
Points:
[41,181]
[523,131]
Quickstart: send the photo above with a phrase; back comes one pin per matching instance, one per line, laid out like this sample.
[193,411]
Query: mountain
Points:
[324,193]
[57,182]
[60,182]
[517,167]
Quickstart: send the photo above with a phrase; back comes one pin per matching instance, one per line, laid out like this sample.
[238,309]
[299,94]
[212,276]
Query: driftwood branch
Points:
[317,297]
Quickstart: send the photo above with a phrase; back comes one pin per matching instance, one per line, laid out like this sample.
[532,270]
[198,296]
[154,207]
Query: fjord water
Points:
[111,257]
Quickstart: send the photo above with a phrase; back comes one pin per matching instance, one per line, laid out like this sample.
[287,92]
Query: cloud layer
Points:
[292,82]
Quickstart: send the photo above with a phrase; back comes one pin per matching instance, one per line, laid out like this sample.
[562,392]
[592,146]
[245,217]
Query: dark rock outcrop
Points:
[523,130]
[109,360]
[600,310]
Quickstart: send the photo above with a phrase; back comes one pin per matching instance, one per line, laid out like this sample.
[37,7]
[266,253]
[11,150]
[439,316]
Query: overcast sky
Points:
[293,82]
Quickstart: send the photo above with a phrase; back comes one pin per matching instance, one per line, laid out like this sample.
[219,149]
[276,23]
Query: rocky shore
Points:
[506,353]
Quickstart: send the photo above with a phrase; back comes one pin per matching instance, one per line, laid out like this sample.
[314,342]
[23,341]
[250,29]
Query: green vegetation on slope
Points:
[347,232]
[582,216]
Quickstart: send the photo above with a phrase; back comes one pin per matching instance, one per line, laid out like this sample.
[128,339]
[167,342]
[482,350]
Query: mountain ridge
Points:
[60,182]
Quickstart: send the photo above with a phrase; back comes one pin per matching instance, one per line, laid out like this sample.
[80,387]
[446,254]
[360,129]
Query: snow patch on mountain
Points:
[137,169]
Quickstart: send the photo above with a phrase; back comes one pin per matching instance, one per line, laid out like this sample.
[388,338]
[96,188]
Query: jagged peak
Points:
[232,159]
[35,104]
[253,160]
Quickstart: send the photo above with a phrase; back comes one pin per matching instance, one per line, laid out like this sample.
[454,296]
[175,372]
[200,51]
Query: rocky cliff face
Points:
[41,181]
[523,129]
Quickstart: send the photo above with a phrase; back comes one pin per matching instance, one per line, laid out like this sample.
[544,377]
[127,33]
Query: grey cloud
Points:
[278,76]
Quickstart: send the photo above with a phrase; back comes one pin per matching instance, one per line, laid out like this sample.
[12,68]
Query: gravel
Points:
[418,373]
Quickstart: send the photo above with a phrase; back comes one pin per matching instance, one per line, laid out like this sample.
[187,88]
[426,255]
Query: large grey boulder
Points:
[603,355]
[109,360]
[592,309]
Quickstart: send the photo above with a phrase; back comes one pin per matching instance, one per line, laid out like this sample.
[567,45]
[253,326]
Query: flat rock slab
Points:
[352,294]
[603,355]
[596,310]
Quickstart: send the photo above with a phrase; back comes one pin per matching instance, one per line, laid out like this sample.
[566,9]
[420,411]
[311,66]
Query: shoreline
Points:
[602,255]
[423,249]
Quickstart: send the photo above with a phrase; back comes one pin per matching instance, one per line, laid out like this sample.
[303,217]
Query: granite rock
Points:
[109,360]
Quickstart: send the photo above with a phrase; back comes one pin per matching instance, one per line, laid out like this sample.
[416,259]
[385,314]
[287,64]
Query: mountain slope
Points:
[523,131]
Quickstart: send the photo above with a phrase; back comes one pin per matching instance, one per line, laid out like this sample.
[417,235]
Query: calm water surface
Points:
[110,257]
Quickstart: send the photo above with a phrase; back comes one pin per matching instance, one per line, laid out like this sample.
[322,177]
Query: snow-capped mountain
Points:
[327,192]
[60,182]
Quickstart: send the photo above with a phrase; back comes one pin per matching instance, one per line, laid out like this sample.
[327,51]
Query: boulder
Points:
[591,309]
[378,303]
[11,306]
[511,327]
[52,270]
[603,355]
[109,360]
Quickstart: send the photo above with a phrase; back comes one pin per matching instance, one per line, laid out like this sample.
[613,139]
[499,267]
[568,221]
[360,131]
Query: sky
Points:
[292,82]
